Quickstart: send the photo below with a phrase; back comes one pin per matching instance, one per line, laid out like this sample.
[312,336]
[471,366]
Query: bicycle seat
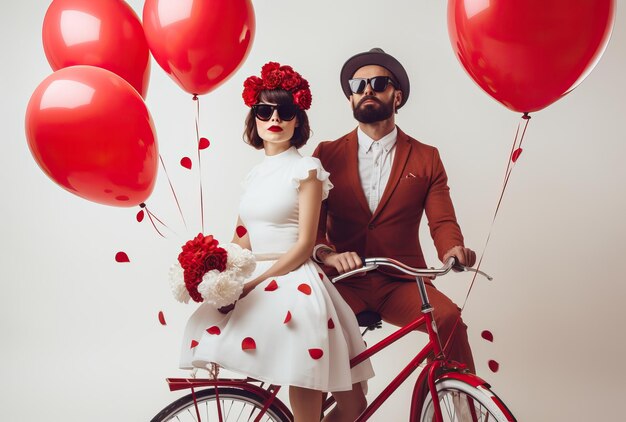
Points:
[368,319]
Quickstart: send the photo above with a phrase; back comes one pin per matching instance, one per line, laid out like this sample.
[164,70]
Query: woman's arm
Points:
[309,198]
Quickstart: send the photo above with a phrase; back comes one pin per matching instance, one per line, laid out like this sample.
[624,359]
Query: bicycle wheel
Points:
[236,405]
[461,402]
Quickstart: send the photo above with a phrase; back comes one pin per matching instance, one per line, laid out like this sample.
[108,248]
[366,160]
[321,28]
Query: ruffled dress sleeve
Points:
[301,172]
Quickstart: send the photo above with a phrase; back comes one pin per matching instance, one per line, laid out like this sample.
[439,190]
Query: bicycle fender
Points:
[469,378]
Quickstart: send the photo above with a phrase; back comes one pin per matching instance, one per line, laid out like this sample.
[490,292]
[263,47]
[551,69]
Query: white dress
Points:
[293,329]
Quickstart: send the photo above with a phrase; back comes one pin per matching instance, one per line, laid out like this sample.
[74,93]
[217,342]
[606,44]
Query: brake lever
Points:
[462,268]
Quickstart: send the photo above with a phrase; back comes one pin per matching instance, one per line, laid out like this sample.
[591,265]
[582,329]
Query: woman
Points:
[290,326]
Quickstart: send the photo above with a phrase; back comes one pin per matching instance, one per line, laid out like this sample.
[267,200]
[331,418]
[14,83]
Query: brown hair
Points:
[301,133]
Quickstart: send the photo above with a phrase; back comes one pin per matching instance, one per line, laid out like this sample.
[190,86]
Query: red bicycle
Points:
[444,390]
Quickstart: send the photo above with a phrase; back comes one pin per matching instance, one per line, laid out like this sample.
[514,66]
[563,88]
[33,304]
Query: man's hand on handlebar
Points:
[342,262]
[464,256]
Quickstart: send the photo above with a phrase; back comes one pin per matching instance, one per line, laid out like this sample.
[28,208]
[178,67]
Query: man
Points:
[384,181]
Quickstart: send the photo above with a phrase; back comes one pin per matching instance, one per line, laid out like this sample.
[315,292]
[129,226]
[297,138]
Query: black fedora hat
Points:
[375,56]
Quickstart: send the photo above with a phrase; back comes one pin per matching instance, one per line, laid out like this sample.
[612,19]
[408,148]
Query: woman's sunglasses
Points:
[264,112]
[378,84]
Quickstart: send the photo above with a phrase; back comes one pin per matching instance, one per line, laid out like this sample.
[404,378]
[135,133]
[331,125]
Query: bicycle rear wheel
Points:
[462,402]
[236,404]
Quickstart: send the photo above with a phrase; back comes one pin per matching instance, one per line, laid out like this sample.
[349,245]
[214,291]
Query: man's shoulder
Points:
[415,143]
[333,146]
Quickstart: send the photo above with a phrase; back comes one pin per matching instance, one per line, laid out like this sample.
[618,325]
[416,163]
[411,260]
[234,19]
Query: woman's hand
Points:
[247,288]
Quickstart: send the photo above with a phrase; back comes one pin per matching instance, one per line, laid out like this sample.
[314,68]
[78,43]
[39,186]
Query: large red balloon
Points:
[102,33]
[199,43]
[91,133]
[528,54]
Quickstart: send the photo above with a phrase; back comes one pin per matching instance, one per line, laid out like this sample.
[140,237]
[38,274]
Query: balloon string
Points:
[509,169]
[150,217]
[173,191]
[197,100]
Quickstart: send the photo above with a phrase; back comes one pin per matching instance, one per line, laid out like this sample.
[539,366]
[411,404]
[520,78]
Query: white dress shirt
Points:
[375,160]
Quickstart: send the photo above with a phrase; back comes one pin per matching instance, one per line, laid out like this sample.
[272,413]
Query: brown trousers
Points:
[398,302]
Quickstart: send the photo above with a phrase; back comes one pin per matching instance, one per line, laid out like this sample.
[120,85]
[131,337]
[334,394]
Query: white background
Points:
[80,335]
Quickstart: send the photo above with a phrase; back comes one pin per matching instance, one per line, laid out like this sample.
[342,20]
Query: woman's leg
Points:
[350,404]
[306,404]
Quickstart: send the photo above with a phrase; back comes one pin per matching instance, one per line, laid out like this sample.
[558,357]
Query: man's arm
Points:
[444,228]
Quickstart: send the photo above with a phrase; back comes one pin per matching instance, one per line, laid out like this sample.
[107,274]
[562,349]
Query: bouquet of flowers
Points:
[206,272]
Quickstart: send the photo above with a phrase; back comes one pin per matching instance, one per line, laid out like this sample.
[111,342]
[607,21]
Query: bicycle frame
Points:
[426,377]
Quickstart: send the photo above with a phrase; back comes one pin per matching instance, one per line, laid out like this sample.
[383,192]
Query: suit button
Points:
[371,226]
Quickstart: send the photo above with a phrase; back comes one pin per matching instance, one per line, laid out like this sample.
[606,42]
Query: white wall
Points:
[80,335]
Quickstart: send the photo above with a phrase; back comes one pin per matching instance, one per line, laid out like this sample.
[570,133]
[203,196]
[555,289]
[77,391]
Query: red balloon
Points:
[102,33]
[529,54]
[91,133]
[199,43]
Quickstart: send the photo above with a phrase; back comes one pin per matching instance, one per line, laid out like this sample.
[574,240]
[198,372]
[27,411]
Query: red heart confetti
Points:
[193,344]
[140,216]
[316,353]
[241,231]
[203,143]
[121,257]
[331,324]
[186,162]
[516,154]
[305,288]
[248,344]
[214,330]
[321,276]
[486,334]
[162,318]
[493,365]
[287,318]
[273,285]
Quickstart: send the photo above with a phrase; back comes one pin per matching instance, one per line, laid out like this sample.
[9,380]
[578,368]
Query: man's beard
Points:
[370,113]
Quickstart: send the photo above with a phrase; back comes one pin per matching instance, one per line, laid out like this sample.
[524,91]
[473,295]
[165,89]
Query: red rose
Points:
[290,81]
[302,98]
[216,260]
[251,88]
[273,79]
[269,68]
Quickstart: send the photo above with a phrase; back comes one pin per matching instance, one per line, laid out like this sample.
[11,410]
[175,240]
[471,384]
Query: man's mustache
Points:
[368,97]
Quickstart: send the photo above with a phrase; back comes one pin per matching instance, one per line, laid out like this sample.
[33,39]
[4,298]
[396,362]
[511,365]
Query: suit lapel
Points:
[403,148]
[351,146]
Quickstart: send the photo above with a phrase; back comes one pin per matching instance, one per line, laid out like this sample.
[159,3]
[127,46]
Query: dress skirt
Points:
[293,329]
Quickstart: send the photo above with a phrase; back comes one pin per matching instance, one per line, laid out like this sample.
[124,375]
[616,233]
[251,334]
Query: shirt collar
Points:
[387,141]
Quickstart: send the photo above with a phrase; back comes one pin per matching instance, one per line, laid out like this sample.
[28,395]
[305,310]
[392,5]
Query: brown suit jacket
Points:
[346,222]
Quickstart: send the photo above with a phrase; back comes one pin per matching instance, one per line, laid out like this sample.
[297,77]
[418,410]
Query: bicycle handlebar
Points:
[370,264]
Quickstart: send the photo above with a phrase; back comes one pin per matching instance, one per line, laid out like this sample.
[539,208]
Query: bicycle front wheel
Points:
[235,404]
[462,402]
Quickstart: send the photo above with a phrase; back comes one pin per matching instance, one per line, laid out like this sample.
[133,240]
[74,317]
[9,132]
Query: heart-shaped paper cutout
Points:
[162,318]
[331,324]
[287,318]
[194,343]
[316,353]
[486,334]
[121,257]
[305,288]
[140,216]
[241,231]
[273,285]
[214,330]
[186,162]
[248,343]
[203,143]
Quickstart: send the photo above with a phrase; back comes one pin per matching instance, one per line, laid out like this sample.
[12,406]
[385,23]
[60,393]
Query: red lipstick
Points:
[275,128]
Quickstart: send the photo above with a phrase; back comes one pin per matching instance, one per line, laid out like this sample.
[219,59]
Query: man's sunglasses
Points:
[378,84]
[264,112]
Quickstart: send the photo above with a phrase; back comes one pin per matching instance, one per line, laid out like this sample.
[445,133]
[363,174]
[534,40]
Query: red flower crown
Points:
[275,76]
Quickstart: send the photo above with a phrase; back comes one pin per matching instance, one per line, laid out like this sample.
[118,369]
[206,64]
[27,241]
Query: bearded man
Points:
[384,181]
